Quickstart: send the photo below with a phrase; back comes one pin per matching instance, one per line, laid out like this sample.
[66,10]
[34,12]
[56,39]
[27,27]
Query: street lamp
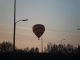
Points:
[78,28]
[14,31]
[62,40]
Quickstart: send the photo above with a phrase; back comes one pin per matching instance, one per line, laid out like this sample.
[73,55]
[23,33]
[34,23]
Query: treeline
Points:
[53,49]
[8,47]
[64,50]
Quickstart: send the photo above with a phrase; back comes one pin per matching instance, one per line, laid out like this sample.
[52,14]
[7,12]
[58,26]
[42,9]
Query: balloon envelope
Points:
[38,30]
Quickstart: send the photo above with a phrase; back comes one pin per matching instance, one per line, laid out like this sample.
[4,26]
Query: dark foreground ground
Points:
[35,56]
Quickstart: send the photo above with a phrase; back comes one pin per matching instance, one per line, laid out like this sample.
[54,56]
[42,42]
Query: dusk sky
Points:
[61,19]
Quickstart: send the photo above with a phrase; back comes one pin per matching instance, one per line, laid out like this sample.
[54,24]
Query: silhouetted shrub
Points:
[26,49]
[6,47]
[34,50]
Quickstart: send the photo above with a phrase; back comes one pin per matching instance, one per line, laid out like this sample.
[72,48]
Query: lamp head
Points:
[25,20]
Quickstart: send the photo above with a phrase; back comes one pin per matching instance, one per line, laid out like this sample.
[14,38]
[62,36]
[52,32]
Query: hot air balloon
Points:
[38,30]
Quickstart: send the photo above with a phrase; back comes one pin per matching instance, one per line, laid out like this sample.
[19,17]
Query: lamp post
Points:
[62,41]
[14,31]
[14,26]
